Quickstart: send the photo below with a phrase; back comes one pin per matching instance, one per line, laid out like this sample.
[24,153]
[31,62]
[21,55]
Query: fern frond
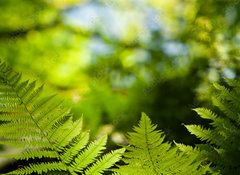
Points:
[32,154]
[148,154]
[78,144]
[228,94]
[39,168]
[184,148]
[205,134]
[105,162]
[222,145]
[227,108]
[88,156]
[43,127]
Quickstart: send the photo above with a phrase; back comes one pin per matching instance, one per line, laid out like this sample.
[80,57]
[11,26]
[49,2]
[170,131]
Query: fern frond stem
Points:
[30,114]
[148,150]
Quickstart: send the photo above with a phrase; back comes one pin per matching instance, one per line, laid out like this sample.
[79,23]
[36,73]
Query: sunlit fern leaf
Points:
[89,155]
[104,162]
[43,127]
[205,134]
[148,154]
[222,146]
[34,153]
[76,145]
[40,168]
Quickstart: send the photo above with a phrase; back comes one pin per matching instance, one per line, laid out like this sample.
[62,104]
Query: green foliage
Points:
[222,139]
[194,43]
[148,154]
[48,134]
[44,128]
[36,14]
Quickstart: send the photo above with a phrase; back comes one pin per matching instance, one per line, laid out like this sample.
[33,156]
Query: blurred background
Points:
[113,59]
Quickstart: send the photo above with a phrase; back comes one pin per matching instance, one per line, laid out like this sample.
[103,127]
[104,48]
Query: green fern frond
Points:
[31,153]
[227,94]
[40,168]
[105,162]
[205,134]
[43,127]
[78,144]
[222,145]
[148,154]
[88,156]
[206,113]
[184,148]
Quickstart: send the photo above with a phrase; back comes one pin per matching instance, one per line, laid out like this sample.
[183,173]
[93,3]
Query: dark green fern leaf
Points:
[223,139]
[148,154]
[44,128]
